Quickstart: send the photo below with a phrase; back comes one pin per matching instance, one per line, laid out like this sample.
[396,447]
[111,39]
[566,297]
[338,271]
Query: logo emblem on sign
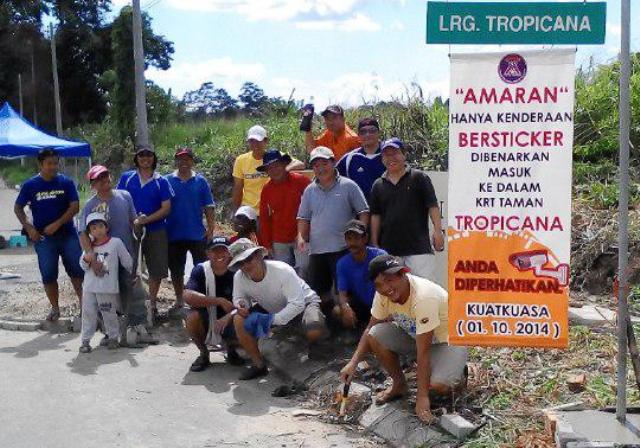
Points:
[512,68]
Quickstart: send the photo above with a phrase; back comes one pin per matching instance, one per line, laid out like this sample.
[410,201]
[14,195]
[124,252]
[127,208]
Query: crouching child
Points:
[100,289]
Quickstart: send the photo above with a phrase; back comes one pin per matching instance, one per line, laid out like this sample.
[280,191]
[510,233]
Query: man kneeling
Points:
[208,292]
[269,293]
[409,317]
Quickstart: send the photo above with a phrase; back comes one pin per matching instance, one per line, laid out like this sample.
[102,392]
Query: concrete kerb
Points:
[63,325]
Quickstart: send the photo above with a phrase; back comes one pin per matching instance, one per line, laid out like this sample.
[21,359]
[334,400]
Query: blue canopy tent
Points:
[19,138]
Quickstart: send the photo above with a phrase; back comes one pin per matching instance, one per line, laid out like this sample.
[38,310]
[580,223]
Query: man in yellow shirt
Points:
[247,180]
[409,318]
[337,136]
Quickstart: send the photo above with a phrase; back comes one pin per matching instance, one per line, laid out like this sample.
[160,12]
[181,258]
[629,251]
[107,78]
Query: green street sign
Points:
[516,23]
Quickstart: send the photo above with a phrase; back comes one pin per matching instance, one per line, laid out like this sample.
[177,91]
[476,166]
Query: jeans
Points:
[289,253]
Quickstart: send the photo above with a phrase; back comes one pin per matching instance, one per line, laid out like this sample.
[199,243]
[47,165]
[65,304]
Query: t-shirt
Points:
[191,197]
[425,310]
[279,204]
[111,254]
[281,292]
[224,284]
[404,212]
[328,211]
[48,200]
[353,277]
[245,168]
[362,168]
[120,213]
[147,197]
[341,143]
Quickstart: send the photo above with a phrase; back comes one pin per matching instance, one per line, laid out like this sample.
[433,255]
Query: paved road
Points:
[52,396]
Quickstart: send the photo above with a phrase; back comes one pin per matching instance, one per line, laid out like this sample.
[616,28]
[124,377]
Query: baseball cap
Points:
[333,109]
[184,152]
[95,216]
[247,211]
[144,148]
[272,156]
[243,249]
[355,226]
[256,132]
[218,241]
[95,171]
[368,122]
[321,152]
[393,143]
[386,264]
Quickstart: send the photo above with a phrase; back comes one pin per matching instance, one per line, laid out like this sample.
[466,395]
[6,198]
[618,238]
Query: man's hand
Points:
[51,229]
[301,243]
[98,268]
[34,235]
[347,372]
[222,323]
[243,310]
[307,118]
[423,409]
[225,305]
[141,220]
[348,316]
[438,241]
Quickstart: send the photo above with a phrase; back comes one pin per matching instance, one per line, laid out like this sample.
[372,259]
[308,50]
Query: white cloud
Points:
[358,22]
[397,25]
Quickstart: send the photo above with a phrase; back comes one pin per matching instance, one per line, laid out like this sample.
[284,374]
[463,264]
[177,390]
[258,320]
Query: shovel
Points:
[345,396]
[138,291]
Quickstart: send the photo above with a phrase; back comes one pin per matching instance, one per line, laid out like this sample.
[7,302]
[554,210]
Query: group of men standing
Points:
[321,251]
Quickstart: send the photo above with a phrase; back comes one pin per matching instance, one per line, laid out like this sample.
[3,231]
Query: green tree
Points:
[252,98]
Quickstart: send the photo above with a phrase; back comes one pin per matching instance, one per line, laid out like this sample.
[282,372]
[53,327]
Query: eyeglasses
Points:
[368,130]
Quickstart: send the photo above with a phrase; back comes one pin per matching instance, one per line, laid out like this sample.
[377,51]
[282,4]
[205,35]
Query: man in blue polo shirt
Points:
[53,199]
[355,288]
[185,231]
[151,195]
[364,165]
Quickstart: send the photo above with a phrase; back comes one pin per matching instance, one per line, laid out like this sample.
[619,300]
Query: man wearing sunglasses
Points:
[364,165]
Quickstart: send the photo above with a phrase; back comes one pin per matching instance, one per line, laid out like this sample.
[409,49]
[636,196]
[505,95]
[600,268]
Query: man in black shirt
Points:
[402,201]
[209,293]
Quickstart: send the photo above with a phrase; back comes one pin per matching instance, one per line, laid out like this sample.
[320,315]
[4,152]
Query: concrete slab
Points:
[597,427]
[457,426]
[594,316]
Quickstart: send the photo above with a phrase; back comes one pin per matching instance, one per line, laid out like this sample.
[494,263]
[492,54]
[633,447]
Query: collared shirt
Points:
[404,212]
[340,144]
[279,203]
[244,168]
[362,168]
[425,310]
[49,200]
[352,277]
[148,196]
[328,211]
[190,199]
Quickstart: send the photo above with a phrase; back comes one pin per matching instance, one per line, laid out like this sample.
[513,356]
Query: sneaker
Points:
[85,347]
[144,337]
[113,344]
[201,363]
[254,372]
[104,341]
[53,315]
[233,358]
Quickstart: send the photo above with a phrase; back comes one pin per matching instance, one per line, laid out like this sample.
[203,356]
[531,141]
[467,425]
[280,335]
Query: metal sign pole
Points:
[623,211]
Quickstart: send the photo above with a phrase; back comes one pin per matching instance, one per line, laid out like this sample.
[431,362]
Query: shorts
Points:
[229,332]
[447,361]
[50,248]
[178,255]
[322,271]
[155,252]
[289,253]
[422,265]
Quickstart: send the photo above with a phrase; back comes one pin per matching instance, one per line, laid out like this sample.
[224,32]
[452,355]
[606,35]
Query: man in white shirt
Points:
[269,293]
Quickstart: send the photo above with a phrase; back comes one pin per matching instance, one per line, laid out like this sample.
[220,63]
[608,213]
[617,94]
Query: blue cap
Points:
[272,156]
[218,241]
[394,142]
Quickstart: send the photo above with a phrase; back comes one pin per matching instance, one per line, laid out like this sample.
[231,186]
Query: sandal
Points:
[200,364]
[53,315]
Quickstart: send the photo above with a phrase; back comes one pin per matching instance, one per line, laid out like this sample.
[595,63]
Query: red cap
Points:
[96,171]
[184,152]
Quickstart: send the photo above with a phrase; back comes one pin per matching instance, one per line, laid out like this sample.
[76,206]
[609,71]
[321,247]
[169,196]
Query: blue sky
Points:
[344,51]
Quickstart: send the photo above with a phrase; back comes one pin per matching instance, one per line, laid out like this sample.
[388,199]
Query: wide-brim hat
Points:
[273,156]
[243,249]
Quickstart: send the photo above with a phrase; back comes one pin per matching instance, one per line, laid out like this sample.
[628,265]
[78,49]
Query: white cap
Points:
[247,211]
[256,132]
[321,152]
[95,216]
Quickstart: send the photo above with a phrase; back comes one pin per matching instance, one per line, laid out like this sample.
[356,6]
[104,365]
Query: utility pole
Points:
[142,132]
[623,209]
[33,85]
[20,94]
[56,85]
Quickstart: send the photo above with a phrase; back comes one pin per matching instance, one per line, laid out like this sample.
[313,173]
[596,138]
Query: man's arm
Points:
[375,230]
[18,209]
[438,235]
[304,227]
[210,216]
[346,374]
[423,348]
[296,165]
[74,208]
[364,217]
[309,141]
[236,195]
[161,213]
[199,300]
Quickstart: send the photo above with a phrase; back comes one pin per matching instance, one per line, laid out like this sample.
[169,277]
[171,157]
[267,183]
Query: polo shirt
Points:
[48,200]
[425,310]
[279,203]
[353,277]
[120,213]
[404,212]
[191,197]
[147,197]
[244,168]
[328,211]
[362,168]
[341,143]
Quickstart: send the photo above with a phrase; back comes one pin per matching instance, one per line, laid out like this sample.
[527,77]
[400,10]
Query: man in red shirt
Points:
[279,202]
